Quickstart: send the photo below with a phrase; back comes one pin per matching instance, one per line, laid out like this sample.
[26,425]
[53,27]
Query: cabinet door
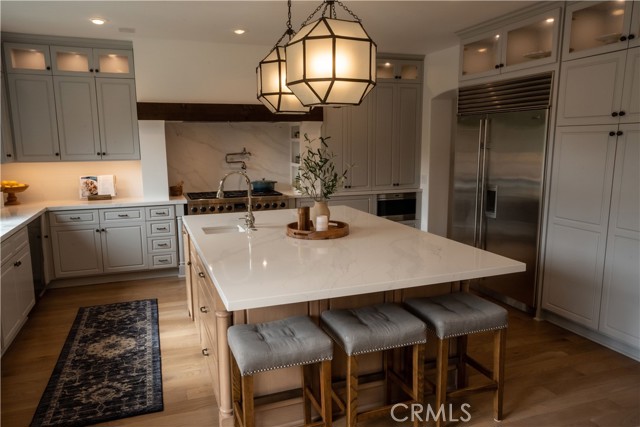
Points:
[72,61]
[76,251]
[27,58]
[24,282]
[406,156]
[591,90]
[480,56]
[634,28]
[383,135]
[77,112]
[582,174]
[631,93]
[356,153]
[7,155]
[333,128]
[362,203]
[593,28]
[117,112]
[17,294]
[532,42]
[113,63]
[398,70]
[620,314]
[33,113]
[124,248]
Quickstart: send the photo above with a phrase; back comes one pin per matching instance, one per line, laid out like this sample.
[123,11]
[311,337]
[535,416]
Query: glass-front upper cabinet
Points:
[27,58]
[88,61]
[527,43]
[399,70]
[595,28]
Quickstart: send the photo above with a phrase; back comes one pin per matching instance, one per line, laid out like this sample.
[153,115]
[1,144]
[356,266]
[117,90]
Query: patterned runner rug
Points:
[109,367]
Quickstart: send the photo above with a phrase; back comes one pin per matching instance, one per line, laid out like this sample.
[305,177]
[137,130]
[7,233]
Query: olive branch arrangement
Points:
[317,176]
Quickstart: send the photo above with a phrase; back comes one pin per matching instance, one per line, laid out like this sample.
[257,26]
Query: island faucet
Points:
[249,219]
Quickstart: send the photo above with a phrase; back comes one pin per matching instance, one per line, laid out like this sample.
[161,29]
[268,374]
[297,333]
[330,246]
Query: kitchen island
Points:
[262,275]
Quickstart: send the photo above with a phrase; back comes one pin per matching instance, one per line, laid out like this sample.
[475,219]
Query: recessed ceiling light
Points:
[98,21]
[239,31]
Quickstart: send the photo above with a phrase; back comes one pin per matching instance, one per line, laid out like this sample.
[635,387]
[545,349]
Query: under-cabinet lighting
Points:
[617,12]
[482,50]
[549,20]
[98,21]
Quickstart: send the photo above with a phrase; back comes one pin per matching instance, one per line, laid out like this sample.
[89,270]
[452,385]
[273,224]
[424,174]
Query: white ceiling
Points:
[417,27]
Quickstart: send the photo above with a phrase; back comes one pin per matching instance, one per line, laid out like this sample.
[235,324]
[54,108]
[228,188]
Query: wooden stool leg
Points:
[462,361]
[352,391]
[236,393]
[247,401]
[442,368]
[306,401]
[387,362]
[325,392]
[499,350]
[418,377]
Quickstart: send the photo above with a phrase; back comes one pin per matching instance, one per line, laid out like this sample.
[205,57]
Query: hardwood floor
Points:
[553,377]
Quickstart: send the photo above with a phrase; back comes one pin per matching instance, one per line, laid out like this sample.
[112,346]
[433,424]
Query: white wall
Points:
[196,72]
[441,80]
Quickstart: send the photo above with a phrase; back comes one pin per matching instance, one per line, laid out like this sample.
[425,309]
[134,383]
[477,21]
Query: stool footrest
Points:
[479,367]
[472,389]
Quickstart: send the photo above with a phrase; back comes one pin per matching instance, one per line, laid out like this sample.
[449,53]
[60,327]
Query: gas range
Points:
[207,202]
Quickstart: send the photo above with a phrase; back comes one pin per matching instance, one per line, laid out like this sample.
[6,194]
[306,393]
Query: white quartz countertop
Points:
[12,218]
[265,267]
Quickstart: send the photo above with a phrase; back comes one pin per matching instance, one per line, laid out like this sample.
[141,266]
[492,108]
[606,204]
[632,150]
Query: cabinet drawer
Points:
[164,244]
[112,215]
[73,217]
[161,228]
[160,212]
[14,243]
[164,260]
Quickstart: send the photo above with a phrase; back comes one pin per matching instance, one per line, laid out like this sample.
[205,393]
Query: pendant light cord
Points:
[330,4]
[289,32]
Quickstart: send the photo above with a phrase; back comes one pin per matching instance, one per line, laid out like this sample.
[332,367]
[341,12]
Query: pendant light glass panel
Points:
[331,62]
[272,87]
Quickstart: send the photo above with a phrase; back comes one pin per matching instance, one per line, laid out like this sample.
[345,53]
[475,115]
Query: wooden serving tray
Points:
[336,230]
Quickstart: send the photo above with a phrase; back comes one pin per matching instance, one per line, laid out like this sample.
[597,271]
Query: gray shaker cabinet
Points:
[117,110]
[33,113]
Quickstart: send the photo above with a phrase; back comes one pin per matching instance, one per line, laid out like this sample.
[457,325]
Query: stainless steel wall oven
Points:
[399,207]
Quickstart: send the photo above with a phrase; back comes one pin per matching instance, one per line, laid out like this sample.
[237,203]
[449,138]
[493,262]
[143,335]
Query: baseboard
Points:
[601,339]
[106,278]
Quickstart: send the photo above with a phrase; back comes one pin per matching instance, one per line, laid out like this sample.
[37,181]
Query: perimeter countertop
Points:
[265,267]
[12,218]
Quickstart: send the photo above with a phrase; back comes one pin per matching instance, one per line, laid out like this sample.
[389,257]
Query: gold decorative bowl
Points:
[11,191]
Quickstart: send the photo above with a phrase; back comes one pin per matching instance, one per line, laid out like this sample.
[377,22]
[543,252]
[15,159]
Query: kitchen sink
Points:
[224,229]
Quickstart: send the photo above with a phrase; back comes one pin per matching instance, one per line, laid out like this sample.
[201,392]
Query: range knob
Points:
[194,209]
[229,207]
[203,209]
[274,205]
[283,204]
[266,205]
[212,208]
[258,205]
[220,208]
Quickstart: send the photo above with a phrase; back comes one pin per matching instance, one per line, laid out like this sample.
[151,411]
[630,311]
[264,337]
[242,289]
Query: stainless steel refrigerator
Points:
[498,170]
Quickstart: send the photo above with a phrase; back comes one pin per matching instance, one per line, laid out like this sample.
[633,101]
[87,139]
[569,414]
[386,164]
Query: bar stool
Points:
[294,341]
[459,315]
[377,328]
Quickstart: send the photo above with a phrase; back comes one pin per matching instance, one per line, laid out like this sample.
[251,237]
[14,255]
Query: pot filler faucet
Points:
[249,219]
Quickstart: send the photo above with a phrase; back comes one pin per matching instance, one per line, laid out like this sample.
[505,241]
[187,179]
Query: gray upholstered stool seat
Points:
[458,315]
[295,341]
[377,328]
[462,313]
[279,344]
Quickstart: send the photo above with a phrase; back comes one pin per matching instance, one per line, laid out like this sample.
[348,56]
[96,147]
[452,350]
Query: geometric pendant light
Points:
[271,75]
[331,62]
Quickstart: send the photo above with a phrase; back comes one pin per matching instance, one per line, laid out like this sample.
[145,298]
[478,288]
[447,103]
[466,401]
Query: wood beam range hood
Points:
[188,112]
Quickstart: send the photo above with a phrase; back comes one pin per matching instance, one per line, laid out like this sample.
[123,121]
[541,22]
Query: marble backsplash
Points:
[196,153]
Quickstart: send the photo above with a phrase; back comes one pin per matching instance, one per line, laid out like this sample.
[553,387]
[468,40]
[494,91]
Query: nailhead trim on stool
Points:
[295,341]
[458,315]
[377,328]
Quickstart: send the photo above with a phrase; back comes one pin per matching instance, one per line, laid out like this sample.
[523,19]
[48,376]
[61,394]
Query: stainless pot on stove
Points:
[262,185]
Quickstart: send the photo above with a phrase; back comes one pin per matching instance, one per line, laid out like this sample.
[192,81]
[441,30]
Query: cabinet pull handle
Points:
[160,213]
[163,245]
[162,228]
[164,260]
[204,310]
[205,351]
[17,263]
[619,133]
[201,274]
[123,215]
[74,218]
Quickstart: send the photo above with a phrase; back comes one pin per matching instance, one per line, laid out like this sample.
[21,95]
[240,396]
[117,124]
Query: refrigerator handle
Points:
[478,183]
[483,184]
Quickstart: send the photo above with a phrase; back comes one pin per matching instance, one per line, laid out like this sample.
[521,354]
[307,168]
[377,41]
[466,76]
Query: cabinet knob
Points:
[201,274]
[204,310]
[98,153]
[8,155]
[621,113]
[188,262]
[612,133]
[102,230]
[91,70]
[501,65]
[614,114]
[17,263]
[104,154]
[631,36]
[97,70]
[97,230]
[205,351]
[497,66]
[623,38]
[57,154]
[619,133]
[48,67]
